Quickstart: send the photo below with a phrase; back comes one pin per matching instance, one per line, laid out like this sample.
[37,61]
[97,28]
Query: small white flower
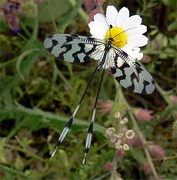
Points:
[129,134]
[124,121]
[118,146]
[114,138]
[117,115]
[126,31]
[126,147]
[110,131]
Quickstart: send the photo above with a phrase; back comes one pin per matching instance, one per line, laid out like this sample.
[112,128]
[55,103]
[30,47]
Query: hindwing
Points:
[131,75]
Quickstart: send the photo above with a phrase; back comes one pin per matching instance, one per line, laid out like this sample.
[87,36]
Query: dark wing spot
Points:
[113,70]
[54,43]
[68,48]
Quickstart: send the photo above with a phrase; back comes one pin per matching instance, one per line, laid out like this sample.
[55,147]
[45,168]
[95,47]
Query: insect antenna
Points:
[124,32]
[90,129]
[70,122]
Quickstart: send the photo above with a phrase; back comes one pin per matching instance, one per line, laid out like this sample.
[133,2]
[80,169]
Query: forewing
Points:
[131,75]
[73,48]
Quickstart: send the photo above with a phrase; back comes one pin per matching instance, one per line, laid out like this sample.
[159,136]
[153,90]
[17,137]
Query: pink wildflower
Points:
[12,19]
[108,166]
[146,59]
[99,2]
[105,107]
[92,14]
[136,142]
[89,4]
[157,152]
[147,168]
[173,99]
[144,115]
[120,153]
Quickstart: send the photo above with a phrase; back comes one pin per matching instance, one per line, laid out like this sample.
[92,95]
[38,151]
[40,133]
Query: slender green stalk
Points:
[6,63]
[51,13]
[20,58]
[15,148]
[164,94]
[14,130]
[25,29]
[114,169]
[80,11]
[62,77]
[36,25]
[10,170]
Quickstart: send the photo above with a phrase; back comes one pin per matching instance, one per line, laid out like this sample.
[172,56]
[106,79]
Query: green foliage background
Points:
[39,93]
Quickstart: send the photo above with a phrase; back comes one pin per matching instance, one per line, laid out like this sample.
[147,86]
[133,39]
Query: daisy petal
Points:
[138,30]
[137,40]
[133,52]
[122,16]
[102,20]
[96,34]
[131,22]
[111,14]
[97,29]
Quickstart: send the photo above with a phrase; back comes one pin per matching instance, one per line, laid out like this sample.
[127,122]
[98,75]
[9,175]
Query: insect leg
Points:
[69,123]
[90,129]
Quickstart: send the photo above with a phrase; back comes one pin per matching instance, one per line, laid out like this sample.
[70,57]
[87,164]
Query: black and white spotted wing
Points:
[73,48]
[130,74]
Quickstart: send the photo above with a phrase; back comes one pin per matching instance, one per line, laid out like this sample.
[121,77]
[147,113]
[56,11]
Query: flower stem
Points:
[164,94]
[142,139]
[51,12]
[114,169]
[81,12]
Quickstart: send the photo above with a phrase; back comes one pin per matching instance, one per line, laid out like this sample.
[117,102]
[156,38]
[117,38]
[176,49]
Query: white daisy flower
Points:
[127,31]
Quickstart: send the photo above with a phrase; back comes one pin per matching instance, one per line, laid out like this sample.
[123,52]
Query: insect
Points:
[77,49]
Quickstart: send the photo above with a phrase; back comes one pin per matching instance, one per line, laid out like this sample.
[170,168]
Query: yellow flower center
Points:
[118,35]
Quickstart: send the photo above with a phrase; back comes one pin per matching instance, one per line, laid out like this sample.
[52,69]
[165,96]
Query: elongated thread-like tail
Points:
[70,122]
[90,129]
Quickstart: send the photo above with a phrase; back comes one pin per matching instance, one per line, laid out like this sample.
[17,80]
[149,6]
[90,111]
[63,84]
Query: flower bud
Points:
[146,59]
[89,5]
[147,168]
[144,115]
[156,151]
[108,166]
[120,153]
[173,99]
[105,107]
[99,2]
[135,142]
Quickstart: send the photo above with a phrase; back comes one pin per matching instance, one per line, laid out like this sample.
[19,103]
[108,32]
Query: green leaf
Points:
[34,121]
[138,155]
[18,117]
[68,18]
[51,10]
[53,117]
